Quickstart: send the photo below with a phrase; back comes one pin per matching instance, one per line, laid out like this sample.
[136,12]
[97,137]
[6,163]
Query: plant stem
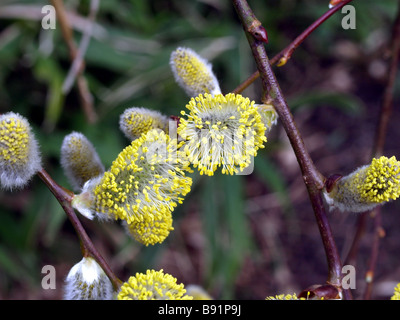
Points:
[378,234]
[313,179]
[83,89]
[282,57]
[76,66]
[286,54]
[64,197]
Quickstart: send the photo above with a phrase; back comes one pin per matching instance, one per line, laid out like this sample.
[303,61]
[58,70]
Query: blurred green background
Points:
[241,237]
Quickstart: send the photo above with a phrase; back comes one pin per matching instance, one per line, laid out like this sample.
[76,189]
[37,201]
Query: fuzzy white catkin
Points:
[193,73]
[19,151]
[79,160]
[136,121]
[366,187]
[87,281]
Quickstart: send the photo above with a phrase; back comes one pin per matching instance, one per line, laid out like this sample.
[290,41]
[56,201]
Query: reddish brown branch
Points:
[286,54]
[361,226]
[64,197]
[76,66]
[84,93]
[313,179]
[373,259]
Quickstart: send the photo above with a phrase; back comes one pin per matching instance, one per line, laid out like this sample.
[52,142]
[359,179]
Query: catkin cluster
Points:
[151,176]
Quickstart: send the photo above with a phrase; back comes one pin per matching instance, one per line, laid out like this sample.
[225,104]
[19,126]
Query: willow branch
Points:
[64,197]
[378,234]
[83,89]
[313,179]
[282,57]
[361,226]
[76,66]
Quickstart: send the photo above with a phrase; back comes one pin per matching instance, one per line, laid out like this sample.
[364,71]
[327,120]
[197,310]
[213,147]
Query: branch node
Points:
[258,31]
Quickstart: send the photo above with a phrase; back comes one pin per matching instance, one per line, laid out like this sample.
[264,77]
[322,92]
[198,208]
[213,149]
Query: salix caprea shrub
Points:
[153,174]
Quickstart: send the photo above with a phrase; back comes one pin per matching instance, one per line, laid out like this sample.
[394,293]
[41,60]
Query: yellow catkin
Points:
[19,152]
[152,229]
[396,293]
[221,131]
[15,141]
[136,121]
[154,285]
[79,160]
[193,73]
[147,178]
[367,187]
[381,181]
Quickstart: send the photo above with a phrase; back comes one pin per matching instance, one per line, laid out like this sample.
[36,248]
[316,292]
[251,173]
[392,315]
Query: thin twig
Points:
[65,27]
[84,93]
[313,179]
[64,197]
[282,57]
[286,54]
[361,226]
[373,259]
[76,66]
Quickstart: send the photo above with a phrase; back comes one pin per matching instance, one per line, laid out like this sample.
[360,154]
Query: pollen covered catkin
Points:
[221,131]
[147,178]
[154,285]
[366,187]
[152,229]
[19,152]
[136,121]
[193,73]
[79,160]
